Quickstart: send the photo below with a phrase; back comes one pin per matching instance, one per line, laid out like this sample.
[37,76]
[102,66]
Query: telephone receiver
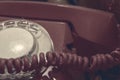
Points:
[88,31]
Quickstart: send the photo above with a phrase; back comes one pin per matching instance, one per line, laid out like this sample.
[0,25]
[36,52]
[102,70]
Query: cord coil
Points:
[96,62]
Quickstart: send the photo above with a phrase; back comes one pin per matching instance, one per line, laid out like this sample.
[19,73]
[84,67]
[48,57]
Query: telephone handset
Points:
[58,28]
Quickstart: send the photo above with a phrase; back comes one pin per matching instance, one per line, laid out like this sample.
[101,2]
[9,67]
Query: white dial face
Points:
[15,42]
[22,37]
[19,38]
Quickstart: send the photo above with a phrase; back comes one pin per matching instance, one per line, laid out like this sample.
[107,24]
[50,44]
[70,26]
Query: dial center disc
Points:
[15,42]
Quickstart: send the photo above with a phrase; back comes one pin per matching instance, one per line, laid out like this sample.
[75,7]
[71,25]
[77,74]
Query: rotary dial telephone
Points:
[45,41]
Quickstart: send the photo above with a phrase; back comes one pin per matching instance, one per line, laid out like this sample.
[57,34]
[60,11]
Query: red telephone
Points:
[85,32]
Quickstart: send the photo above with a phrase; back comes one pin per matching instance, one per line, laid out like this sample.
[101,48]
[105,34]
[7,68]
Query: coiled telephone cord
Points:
[96,62]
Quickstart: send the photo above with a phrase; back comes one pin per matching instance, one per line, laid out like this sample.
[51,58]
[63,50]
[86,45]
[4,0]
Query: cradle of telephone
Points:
[45,41]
